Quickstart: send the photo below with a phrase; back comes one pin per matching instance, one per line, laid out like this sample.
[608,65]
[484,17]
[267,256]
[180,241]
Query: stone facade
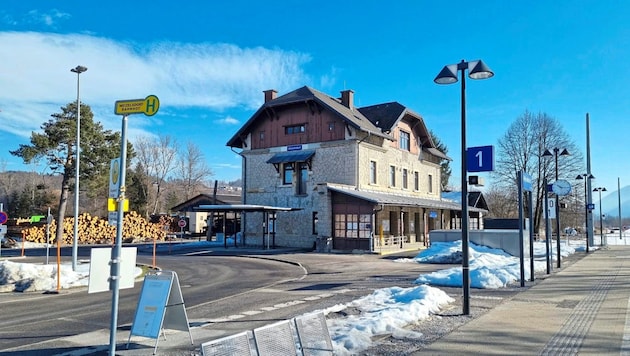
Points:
[337,148]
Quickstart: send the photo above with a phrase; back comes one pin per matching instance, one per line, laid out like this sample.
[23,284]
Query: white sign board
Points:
[112,218]
[114,178]
[551,202]
[161,306]
[100,259]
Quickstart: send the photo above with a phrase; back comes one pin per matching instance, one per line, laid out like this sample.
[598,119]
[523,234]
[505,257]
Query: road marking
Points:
[252,312]
[276,306]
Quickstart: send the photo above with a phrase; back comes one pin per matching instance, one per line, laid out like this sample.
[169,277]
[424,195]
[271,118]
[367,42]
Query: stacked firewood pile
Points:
[94,230]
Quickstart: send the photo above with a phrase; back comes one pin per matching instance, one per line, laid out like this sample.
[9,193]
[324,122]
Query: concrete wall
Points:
[507,240]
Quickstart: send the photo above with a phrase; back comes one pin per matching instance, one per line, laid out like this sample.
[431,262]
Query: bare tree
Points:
[522,148]
[158,157]
[502,203]
[192,170]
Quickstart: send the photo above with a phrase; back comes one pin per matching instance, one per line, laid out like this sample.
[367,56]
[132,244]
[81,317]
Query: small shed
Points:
[198,220]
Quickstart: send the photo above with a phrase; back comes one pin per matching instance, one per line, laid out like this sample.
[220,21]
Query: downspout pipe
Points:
[243,193]
[374,212]
[356,168]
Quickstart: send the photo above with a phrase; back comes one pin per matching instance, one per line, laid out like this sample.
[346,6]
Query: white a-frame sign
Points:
[161,306]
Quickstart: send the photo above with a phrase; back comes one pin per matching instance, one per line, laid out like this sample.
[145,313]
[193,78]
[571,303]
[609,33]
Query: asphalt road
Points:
[223,294]
[31,318]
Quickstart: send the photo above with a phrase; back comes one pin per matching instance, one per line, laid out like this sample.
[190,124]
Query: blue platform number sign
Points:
[480,159]
[527,181]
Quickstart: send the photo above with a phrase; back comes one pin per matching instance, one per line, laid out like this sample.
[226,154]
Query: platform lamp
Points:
[449,75]
[557,152]
[75,238]
[601,216]
[586,177]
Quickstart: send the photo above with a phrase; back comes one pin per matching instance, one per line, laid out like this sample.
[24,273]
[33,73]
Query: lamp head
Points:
[448,75]
[78,69]
[547,153]
[480,71]
[564,152]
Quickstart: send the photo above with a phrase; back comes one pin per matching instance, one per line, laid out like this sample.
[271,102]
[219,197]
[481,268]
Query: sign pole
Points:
[148,106]
[48,221]
[519,179]
[116,251]
[531,236]
[547,228]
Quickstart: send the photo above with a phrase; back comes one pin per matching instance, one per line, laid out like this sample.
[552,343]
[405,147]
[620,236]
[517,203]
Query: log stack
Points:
[94,230]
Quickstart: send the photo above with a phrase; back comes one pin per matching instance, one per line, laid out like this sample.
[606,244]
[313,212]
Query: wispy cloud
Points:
[228,120]
[36,78]
[48,18]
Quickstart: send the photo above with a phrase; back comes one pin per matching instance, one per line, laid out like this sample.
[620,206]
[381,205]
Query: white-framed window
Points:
[404,178]
[404,140]
[302,179]
[372,172]
[416,181]
[287,173]
[392,176]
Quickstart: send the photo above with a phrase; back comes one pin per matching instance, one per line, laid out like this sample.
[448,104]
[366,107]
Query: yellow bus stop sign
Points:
[112,205]
[148,106]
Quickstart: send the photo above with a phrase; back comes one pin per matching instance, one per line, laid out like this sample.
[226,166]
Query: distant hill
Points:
[610,202]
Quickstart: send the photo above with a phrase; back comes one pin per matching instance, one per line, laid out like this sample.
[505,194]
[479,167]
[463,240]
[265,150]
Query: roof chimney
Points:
[270,94]
[347,98]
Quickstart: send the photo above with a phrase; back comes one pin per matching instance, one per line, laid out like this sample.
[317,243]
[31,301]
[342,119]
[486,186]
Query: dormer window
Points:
[404,140]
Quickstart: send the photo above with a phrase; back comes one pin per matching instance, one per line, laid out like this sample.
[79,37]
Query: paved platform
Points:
[582,309]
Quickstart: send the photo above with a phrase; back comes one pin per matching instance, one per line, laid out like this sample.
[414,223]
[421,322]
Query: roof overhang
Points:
[243,208]
[401,200]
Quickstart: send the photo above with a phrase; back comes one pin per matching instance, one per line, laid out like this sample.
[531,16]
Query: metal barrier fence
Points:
[237,344]
[305,335]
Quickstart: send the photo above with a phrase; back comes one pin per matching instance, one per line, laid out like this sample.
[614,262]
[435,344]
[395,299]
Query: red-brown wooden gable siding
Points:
[413,138]
[317,127]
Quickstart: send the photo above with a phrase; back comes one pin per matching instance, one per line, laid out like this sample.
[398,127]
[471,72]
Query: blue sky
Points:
[209,62]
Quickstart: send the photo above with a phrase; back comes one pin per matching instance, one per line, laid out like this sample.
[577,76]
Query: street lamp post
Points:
[586,177]
[448,75]
[75,239]
[556,152]
[601,217]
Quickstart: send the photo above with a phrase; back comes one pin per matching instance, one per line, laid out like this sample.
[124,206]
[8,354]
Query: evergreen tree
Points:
[57,146]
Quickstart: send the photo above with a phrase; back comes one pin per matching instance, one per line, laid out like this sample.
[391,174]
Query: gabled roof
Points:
[475,199]
[207,199]
[377,120]
[386,116]
[352,117]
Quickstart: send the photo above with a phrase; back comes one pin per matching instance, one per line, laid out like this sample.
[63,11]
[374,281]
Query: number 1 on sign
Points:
[479,156]
[480,159]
